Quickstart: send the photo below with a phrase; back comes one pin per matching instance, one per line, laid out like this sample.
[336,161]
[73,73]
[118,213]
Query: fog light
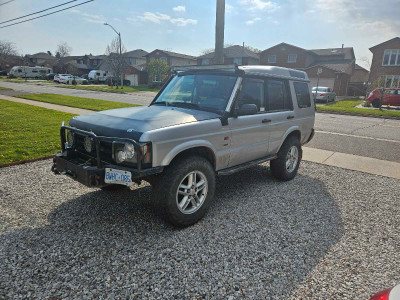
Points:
[88,144]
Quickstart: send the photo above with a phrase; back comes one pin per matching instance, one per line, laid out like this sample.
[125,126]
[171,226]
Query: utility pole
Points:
[219,32]
[120,55]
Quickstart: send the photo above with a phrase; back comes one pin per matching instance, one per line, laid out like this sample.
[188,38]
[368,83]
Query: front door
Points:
[249,138]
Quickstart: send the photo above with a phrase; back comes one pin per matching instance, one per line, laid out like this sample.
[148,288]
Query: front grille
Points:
[105,148]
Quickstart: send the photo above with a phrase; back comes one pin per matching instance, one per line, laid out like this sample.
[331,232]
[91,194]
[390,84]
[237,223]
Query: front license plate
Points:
[118,177]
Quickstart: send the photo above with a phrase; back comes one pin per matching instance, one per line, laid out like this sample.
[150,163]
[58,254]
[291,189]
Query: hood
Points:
[132,122]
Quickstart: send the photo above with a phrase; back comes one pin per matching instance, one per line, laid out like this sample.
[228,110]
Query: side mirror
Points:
[247,109]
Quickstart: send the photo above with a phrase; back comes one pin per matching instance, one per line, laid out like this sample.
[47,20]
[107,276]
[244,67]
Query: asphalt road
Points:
[364,136]
[142,98]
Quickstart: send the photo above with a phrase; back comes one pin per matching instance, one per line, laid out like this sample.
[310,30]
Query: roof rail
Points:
[232,67]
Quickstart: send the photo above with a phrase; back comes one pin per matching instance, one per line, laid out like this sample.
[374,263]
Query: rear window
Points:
[278,96]
[302,94]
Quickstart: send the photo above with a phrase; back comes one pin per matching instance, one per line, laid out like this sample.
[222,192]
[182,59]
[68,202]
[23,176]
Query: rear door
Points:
[249,134]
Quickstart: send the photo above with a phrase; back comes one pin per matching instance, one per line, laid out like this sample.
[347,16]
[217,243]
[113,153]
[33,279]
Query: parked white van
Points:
[30,72]
[97,75]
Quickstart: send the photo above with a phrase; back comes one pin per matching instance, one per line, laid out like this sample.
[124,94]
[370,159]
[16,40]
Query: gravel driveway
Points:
[329,233]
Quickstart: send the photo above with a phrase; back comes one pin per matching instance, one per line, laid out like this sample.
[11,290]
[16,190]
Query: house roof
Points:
[234,51]
[42,55]
[173,54]
[358,67]
[381,44]
[136,53]
[340,66]
[346,52]
[286,45]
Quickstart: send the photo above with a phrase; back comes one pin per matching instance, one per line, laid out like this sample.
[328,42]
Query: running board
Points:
[249,164]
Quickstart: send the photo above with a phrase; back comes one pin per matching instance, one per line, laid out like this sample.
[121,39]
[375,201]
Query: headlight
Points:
[124,152]
[370,94]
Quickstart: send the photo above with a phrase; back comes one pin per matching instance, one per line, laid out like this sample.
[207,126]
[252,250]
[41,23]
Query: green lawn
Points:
[86,103]
[28,132]
[106,88]
[348,106]
[3,88]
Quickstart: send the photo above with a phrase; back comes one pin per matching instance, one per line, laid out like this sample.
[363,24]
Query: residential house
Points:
[333,66]
[236,54]
[135,57]
[171,58]
[79,65]
[41,59]
[358,81]
[386,63]
[9,61]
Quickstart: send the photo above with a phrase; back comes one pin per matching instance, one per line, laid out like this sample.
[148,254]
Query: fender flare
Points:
[288,132]
[185,146]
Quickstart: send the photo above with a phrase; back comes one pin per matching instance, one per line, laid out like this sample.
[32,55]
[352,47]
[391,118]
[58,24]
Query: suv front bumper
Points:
[90,175]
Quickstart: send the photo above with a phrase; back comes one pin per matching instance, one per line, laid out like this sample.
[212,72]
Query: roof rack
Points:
[205,67]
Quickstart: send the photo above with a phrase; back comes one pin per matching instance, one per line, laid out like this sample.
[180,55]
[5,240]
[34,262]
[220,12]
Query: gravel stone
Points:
[329,233]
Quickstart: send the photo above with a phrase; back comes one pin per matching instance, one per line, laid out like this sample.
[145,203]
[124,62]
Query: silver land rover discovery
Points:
[204,122]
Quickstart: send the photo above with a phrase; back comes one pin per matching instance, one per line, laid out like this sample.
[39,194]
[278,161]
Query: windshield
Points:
[320,89]
[202,91]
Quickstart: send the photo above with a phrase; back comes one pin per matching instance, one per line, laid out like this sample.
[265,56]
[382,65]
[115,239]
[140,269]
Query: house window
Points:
[271,59]
[156,78]
[391,57]
[164,59]
[205,61]
[238,60]
[292,58]
[95,62]
[152,59]
[391,81]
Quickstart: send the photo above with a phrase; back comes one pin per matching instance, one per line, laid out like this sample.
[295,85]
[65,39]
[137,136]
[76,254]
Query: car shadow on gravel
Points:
[260,239]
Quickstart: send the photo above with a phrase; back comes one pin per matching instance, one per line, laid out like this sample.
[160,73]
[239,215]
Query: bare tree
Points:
[63,50]
[115,61]
[7,51]
[211,50]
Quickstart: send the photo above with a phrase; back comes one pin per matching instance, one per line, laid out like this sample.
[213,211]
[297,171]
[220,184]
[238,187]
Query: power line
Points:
[46,14]
[35,13]
[1,4]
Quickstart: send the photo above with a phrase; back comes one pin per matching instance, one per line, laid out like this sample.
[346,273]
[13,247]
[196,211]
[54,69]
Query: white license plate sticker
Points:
[118,177]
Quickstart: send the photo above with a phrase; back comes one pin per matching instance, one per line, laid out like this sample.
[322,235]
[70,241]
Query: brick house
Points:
[78,65]
[232,55]
[337,64]
[41,59]
[171,58]
[358,81]
[386,63]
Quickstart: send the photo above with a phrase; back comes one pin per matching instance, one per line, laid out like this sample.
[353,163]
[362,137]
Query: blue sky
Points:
[187,26]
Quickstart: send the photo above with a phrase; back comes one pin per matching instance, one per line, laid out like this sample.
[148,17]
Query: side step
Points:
[249,164]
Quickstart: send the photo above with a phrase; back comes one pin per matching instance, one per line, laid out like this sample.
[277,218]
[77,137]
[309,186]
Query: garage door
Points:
[133,78]
[325,82]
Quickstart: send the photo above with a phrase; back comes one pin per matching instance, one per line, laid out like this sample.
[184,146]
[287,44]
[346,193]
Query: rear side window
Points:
[252,92]
[302,94]
[278,97]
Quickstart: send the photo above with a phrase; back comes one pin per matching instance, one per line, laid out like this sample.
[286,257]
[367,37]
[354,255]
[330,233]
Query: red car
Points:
[391,97]
[389,294]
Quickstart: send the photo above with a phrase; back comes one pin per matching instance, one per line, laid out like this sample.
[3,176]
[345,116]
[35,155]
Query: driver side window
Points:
[252,92]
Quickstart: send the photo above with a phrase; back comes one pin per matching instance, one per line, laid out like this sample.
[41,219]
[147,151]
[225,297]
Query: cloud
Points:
[229,8]
[97,19]
[159,17]
[252,21]
[259,5]
[180,8]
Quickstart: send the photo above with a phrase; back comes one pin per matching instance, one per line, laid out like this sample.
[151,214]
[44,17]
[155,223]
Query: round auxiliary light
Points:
[88,144]
[129,150]
[121,156]
[70,138]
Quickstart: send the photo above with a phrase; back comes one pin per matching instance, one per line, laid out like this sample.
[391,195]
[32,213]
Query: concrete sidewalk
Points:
[66,109]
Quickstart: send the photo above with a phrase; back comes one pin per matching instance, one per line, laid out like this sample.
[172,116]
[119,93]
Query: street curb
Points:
[21,162]
[110,92]
[359,115]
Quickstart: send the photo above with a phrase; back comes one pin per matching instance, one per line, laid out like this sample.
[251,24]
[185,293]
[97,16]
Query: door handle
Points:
[266,121]
[290,117]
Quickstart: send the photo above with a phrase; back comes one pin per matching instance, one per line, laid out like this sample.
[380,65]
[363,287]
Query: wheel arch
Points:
[292,131]
[201,148]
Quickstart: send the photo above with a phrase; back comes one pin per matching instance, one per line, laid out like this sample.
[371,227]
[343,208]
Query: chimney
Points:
[342,47]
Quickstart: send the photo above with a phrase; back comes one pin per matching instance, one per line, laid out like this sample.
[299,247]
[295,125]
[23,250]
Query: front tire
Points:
[185,190]
[289,156]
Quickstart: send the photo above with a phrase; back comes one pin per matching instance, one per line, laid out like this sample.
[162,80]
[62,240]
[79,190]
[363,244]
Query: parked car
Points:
[3,73]
[50,76]
[69,79]
[391,96]
[325,94]
[85,76]
[204,122]
[58,76]
[388,294]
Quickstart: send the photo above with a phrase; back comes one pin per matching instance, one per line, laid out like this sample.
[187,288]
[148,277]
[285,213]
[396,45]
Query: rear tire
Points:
[289,156]
[185,190]
[376,103]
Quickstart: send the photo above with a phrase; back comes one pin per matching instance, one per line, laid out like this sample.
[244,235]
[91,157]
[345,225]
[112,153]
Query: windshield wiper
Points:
[185,105]
[161,103]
